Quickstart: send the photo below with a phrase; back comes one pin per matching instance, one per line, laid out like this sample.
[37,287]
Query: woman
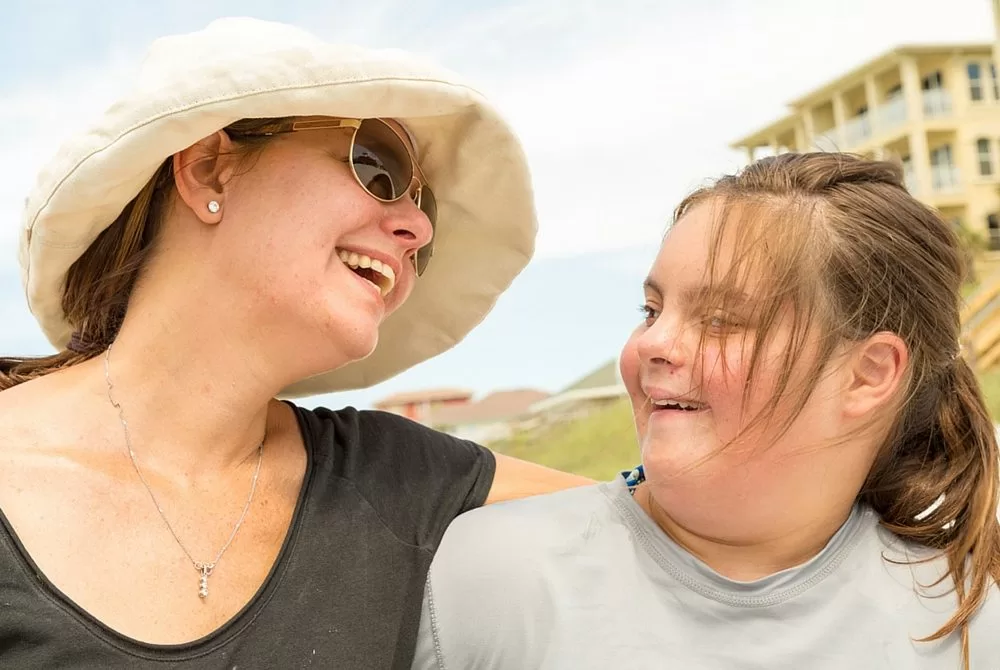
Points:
[245,224]
[819,474]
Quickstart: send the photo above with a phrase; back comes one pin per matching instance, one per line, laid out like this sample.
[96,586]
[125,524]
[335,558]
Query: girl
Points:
[819,475]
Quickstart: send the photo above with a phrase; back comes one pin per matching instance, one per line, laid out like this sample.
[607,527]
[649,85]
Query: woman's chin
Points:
[358,346]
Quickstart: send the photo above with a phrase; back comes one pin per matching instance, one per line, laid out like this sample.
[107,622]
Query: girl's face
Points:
[686,367]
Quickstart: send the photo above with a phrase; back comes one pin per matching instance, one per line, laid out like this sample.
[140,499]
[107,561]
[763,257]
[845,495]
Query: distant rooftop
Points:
[425,396]
[498,406]
[606,375]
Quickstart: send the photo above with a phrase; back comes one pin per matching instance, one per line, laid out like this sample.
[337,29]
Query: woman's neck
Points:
[193,390]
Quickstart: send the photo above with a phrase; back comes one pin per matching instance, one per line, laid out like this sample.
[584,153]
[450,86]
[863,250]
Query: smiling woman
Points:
[264,215]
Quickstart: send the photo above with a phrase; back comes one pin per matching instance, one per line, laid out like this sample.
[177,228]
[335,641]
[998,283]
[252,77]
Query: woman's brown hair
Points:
[839,240]
[99,284]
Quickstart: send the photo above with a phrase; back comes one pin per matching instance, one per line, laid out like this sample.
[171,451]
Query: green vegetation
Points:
[603,443]
[990,382]
[598,445]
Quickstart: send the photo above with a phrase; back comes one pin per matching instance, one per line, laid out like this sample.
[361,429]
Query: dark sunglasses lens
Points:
[428,205]
[381,160]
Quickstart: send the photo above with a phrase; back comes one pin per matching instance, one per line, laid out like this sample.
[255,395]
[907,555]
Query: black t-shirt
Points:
[346,589]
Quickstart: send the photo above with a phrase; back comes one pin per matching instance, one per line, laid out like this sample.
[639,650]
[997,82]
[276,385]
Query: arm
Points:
[516,479]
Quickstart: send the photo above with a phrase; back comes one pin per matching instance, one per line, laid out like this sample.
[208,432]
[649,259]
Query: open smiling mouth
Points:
[678,406]
[370,269]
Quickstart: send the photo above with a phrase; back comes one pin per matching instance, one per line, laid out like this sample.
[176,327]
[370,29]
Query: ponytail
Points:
[99,284]
[937,485]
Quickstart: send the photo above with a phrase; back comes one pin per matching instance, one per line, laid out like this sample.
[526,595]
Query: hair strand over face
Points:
[848,252]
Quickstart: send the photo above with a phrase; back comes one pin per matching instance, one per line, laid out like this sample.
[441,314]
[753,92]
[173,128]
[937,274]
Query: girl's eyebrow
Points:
[701,293]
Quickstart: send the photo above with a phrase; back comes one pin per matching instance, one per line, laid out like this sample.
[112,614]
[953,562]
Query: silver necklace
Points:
[204,569]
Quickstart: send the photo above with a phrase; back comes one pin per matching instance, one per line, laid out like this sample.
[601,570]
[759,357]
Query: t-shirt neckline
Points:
[213,640]
[696,575]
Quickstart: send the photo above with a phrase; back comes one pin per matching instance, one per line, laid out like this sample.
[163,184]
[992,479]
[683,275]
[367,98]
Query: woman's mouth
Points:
[371,269]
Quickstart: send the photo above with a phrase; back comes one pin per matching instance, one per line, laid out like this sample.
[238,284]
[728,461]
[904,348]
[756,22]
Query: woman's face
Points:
[292,226]
[710,466]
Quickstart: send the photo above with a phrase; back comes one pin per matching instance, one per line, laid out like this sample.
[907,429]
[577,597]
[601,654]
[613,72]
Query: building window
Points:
[933,81]
[944,176]
[996,82]
[941,156]
[985,154]
[993,224]
[975,81]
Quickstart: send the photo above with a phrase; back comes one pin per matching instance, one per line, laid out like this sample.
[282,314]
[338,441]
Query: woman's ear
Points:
[201,172]
[877,371]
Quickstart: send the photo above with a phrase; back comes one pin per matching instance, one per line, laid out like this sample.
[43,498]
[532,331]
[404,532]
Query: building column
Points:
[774,145]
[871,99]
[750,158]
[809,128]
[920,156]
[909,75]
[839,119]
[800,135]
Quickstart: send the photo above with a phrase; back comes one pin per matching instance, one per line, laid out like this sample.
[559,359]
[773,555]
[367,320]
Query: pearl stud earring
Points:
[213,206]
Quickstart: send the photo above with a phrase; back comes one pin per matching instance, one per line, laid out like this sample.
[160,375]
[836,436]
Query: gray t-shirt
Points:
[585,579]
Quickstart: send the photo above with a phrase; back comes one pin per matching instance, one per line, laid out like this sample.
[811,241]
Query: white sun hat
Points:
[192,85]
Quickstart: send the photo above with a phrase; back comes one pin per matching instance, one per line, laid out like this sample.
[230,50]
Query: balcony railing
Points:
[857,130]
[827,141]
[945,178]
[937,103]
[891,113]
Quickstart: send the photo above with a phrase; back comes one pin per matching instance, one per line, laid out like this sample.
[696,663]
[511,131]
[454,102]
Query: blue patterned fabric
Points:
[634,477]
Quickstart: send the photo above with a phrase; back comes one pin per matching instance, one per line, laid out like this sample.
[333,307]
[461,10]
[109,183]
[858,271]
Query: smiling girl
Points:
[819,474]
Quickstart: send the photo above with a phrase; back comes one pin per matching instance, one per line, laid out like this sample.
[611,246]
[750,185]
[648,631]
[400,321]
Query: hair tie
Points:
[78,345]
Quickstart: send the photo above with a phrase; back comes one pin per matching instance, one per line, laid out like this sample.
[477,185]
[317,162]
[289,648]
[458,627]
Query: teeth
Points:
[677,403]
[354,260]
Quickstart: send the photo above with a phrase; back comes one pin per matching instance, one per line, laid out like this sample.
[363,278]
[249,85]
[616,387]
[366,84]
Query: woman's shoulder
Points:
[362,425]
[40,413]
[416,478]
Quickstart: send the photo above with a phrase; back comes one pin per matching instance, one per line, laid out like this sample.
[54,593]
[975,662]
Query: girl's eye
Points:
[649,313]
[719,323]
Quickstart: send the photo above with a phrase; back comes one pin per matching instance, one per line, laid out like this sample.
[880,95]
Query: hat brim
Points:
[486,219]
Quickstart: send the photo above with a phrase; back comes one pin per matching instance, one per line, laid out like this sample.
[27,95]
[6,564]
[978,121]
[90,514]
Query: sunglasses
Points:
[383,166]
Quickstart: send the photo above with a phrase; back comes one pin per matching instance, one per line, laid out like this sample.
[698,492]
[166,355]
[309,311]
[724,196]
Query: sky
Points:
[578,81]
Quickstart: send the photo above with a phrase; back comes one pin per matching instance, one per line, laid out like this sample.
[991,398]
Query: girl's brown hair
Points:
[99,284]
[846,250]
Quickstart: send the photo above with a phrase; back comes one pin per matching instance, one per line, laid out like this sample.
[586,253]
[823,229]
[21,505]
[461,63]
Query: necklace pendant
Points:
[205,569]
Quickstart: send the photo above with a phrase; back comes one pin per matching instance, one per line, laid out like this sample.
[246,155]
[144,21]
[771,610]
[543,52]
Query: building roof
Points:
[855,75]
[884,60]
[606,375]
[497,406]
[763,135]
[427,395]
